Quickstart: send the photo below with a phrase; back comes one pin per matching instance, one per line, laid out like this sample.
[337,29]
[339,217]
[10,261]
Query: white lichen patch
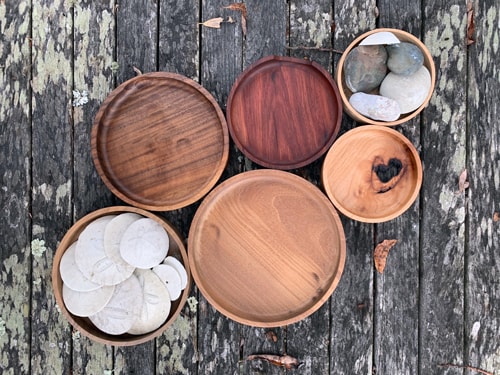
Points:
[80,98]
[362,19]
[38,248]
[475,330]
[2,327]
[179,333]
[492,362]
[63,192]
[108,372]
[46,191]
[447,199]
[192,304]
[316,28]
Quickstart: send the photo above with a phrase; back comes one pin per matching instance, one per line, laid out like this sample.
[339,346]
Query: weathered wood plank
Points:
[482,303]
[397,289]
[351,348]
[52,172]
[221,52]
[94,42]
[15,154]
[443,210]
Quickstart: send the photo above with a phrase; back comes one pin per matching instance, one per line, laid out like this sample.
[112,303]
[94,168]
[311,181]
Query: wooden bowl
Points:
[345,92]
[177,249]
[284,112]
[160,141]
[372,173]
[266,248]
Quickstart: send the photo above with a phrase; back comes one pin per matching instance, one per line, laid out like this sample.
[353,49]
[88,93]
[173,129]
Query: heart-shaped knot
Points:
[386,175]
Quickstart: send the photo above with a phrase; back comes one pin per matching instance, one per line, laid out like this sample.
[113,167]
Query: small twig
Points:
[137,71]
[322,49]
[467,368]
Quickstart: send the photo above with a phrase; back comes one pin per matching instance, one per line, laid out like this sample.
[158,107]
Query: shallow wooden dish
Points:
[345,93]
[160,141]
[84,325]
[284,112]
[350,176]
[266,248]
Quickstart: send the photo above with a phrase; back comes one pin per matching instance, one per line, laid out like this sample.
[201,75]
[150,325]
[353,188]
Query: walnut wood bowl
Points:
[160,141]
[372,173]
[84,325]
[345,92]
[266,248]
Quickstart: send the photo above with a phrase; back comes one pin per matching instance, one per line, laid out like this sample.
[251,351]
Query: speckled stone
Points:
[375,107]
[365,68]
[409,91]
[404,58]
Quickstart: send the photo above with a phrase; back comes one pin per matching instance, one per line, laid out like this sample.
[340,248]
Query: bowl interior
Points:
[345,92]
[84,325]
[372,173]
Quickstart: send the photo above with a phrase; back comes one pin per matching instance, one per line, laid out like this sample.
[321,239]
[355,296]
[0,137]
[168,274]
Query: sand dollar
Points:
[179,267]
[144,243]
[156,303]
[122,310]
[86,303]
[71,274]
[171,278]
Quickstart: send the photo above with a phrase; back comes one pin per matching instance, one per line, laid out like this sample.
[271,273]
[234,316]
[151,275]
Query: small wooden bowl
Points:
[345,93]
[160,141]
[266,248]
[359,173]
[284,112]
[84,325]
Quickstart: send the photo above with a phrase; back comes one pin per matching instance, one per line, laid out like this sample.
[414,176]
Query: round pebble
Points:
[86,303]
[365,68]
[71,274]
[404,58]
[375,107]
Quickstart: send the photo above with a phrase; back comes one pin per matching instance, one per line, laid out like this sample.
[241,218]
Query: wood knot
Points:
[385,176]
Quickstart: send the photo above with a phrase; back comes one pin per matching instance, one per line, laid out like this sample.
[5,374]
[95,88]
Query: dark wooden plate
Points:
[266,248]
[284,112]
[372,173]
[160,141]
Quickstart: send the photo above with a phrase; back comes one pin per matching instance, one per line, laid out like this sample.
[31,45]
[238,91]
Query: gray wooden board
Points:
[15,167]
[482,326]
[443,210]
[52,173]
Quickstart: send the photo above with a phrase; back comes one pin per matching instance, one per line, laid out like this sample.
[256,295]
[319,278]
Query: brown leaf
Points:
[496,217]
[285,361]
[381,252]
[271,335]
[240,7]
[470,23]
[213,22]
[462,181]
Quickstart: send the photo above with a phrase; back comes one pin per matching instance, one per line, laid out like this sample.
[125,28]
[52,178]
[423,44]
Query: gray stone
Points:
[404,58]
[365,68]
[375,107]
[409,91]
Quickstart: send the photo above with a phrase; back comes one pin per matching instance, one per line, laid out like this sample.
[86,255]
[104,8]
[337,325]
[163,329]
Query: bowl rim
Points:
[69,238]
[428,63]
[417,185]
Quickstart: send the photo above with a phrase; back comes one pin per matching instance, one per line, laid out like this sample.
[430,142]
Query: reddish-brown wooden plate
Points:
[284,112]
[266,248]
[160,141]
[372,173]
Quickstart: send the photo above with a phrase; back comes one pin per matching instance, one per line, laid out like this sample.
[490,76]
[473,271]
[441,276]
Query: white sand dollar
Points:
[144,243]
[122,310]
[171,278]
[86,303]
[382,37]
[71,274]
[174,262]
[156,303]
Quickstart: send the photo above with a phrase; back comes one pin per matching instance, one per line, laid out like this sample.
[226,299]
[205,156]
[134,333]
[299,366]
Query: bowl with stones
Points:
[372,173]
[121,275]
[385,77]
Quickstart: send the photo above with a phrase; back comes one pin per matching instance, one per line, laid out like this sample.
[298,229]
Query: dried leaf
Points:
[496,217]
[213,22]
[230,20]
[462,181]
[285,361]
[470,23]
[240,7]
[271,335]
[381,252]
[137,70]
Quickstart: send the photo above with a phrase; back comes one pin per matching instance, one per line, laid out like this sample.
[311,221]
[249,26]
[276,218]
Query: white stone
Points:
[375,107]
[382,37]
[409,91]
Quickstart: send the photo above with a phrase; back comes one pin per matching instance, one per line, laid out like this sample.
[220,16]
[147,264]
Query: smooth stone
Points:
[404,58]
[365,68]
[382,37]
[375,107]
[409,91]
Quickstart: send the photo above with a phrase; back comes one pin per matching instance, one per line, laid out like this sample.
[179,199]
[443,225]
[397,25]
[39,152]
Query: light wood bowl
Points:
[84,325]
[160,141]
[345,93]
[351,182]
[266,248]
